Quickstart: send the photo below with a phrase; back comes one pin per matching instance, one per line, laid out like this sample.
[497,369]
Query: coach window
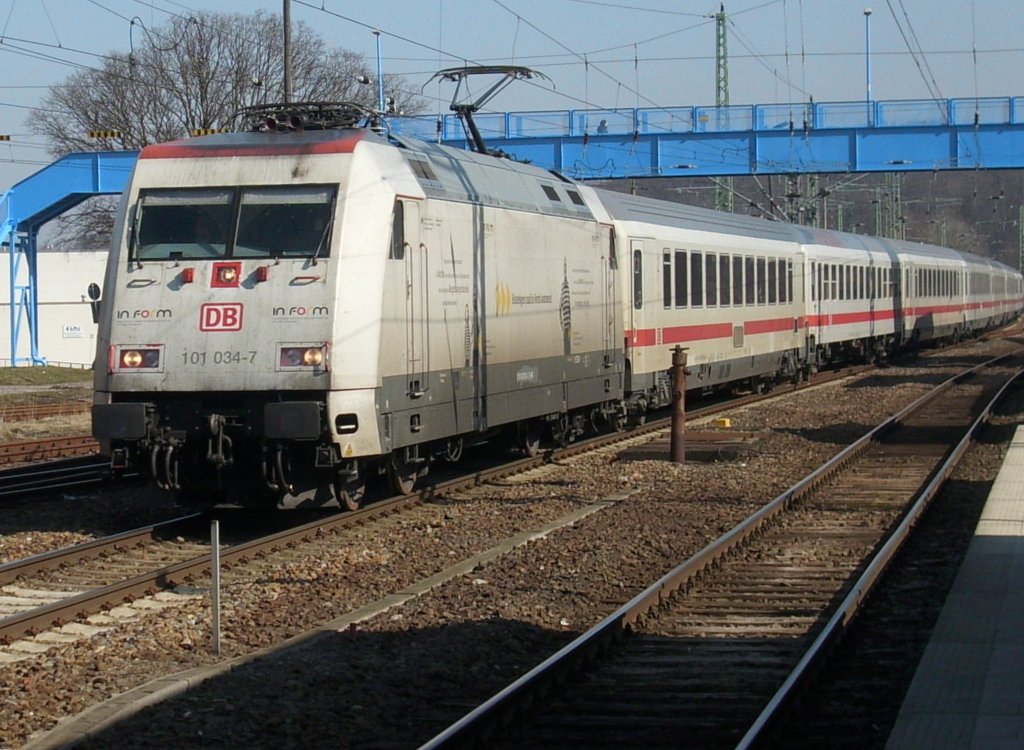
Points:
[682,288]
[666,279]
[696,279]
[814,282]
[737,279]
[711,279]
[773,281]
[761,281]
[638,280]
[749,280]
[789,282]
[723,280]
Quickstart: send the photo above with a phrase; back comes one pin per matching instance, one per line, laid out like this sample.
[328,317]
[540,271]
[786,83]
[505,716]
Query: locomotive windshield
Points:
[214,223]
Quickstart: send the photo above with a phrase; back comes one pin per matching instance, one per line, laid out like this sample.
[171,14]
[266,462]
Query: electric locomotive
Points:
[295,308]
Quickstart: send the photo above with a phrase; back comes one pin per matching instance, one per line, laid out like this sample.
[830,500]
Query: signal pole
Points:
[723,188]
[287,13]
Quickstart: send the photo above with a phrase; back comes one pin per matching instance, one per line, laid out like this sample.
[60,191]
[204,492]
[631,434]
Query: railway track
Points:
[49,464]
[27,412]
[47,603]
[712,654]
[51,476]
[45,449]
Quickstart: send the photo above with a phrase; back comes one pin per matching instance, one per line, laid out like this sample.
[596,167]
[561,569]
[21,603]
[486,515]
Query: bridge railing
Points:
[908,113]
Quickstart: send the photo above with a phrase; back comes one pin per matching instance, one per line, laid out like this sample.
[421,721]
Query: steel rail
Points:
[89,602]
[54,559]
[486,719]
[26,412]
[34,620]
[28,451]
[54,475]
[852,603]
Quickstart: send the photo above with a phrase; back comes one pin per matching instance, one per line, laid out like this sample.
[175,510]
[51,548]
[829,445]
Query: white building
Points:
[67,333]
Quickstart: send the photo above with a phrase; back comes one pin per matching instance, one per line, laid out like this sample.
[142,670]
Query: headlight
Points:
[135,358]
[303,356]
[226,274]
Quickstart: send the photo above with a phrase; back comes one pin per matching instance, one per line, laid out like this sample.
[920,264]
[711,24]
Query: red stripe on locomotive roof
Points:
[268,144]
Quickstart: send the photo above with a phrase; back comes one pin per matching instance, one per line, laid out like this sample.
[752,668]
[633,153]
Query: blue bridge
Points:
[865,136]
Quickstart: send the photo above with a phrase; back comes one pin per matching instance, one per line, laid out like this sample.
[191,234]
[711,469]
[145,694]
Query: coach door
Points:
[636,319]
[636,286]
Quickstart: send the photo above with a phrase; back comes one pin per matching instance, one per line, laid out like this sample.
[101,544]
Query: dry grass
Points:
[71,425]
[44,375]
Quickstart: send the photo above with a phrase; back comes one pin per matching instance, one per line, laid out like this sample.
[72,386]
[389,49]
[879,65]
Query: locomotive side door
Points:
[612,328]
[417,308]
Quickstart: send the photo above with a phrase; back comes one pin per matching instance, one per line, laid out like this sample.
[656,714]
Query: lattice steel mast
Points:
[723,187]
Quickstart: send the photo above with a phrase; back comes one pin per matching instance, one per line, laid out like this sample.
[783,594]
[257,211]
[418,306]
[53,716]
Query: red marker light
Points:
[188,275]
[262,273]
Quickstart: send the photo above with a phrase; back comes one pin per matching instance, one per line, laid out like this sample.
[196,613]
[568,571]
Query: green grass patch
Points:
[43,375]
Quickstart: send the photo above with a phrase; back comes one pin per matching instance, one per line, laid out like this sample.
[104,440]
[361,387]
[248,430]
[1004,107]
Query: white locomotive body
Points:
[288,312]
[305,309]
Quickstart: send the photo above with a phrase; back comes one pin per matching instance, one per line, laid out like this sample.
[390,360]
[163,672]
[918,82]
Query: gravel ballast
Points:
[396,679]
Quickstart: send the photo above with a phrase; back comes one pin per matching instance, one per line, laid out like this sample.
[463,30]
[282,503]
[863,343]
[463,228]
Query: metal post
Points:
[678,442]
[380,76]
[867,56]
[215,584]
[287,12]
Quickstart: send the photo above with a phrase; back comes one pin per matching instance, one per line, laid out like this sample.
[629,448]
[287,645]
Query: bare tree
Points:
[195,73]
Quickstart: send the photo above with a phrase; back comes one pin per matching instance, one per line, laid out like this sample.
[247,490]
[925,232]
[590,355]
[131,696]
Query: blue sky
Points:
[598,53]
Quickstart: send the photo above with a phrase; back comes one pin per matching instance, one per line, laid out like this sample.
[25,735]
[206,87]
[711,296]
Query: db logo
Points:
[220,316]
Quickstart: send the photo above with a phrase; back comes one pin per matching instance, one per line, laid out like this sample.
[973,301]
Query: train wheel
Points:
[529,439]
[401,472]
[350,490]
[617,422]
